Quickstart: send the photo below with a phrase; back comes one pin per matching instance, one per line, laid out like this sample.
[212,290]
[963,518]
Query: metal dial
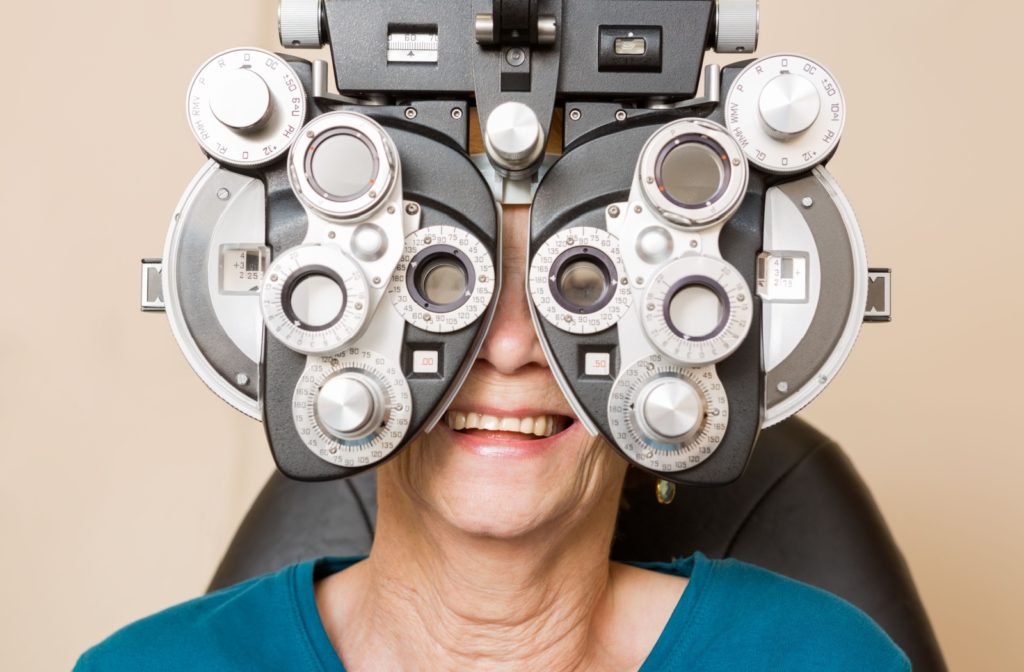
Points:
[578,282]
[693,173]
[383,426]
[637,405]
[444,281]
[315,299]
[697,310]
[245,107]
[787,112]
[513,137]
[343,165]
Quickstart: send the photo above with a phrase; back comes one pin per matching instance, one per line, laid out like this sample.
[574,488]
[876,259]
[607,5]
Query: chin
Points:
[499,485]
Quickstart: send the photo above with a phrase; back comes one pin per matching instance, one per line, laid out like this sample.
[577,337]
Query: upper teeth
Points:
[539,425]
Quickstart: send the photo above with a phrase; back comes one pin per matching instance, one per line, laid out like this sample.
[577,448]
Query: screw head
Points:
[456,113]
[242,379]
[332,235]
[515,57]
[807,202]
[575,114]
[359,306]
[377,280]
[391,209]
[620,115]
[638,209]
[782,387]
[694,244]
[410,113]
[412,208]
[613,211]
[310,134]
[273,278]
[223,194]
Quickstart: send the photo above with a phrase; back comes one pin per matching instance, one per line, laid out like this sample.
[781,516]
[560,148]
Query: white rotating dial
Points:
[325,407]
[315,299]
[697,310]
[787,112]
[666,417]
[578,282]
[245,107]
[444,281]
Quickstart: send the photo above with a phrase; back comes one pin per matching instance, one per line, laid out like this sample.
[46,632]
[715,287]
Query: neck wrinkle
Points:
[523,603]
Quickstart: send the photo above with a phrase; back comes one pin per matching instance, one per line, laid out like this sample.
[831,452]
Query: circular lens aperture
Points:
[441,280]
[692,171]
[696,311]
[583,282]
[314,300]
[342,166]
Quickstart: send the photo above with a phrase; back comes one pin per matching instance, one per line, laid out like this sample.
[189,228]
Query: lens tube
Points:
[578,282]
[697,310]
[315,299]
[343,166]
[693,173]
[444,281]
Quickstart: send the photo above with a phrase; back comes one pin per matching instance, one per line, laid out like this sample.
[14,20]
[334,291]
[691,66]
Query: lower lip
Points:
[512,448]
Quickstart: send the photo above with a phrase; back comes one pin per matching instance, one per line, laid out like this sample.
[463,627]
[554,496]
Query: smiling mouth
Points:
[507,427]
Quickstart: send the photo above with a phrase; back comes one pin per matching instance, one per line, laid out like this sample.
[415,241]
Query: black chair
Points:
[800,510]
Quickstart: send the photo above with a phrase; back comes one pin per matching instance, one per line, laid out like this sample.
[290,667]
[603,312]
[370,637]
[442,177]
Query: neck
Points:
[430,592]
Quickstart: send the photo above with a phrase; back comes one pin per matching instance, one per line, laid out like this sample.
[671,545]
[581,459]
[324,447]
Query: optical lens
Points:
[442,280]
[691,174]
[343,166]
[316,301]
[696,311]
[583,283]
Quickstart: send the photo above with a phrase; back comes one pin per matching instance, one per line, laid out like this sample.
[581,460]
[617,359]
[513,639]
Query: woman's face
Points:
[510,457]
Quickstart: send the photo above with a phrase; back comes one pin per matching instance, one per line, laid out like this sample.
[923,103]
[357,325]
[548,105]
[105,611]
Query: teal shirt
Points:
[732,616]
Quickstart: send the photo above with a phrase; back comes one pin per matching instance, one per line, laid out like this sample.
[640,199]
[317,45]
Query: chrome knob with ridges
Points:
[299,24]
[670,410]
[350,406]
[736,26]
[514,137]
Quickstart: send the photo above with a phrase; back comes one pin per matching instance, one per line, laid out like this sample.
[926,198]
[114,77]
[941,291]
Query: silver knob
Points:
[736,26]
[241,100]
[299,24]
[350,406]
[514,137]
[670,410]
[789,105]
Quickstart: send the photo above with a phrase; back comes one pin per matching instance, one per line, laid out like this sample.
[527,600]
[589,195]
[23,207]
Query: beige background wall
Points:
[122,477]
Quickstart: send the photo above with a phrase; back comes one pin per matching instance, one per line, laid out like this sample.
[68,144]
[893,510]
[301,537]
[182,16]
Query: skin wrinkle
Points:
[489,563]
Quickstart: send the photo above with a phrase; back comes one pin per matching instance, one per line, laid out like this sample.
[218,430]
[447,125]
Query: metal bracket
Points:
[512,191]
[879,306]
[712,91]
[152,299]
[322,92]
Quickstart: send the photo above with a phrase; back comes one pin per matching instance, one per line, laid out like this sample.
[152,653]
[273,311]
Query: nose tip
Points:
[512,342]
